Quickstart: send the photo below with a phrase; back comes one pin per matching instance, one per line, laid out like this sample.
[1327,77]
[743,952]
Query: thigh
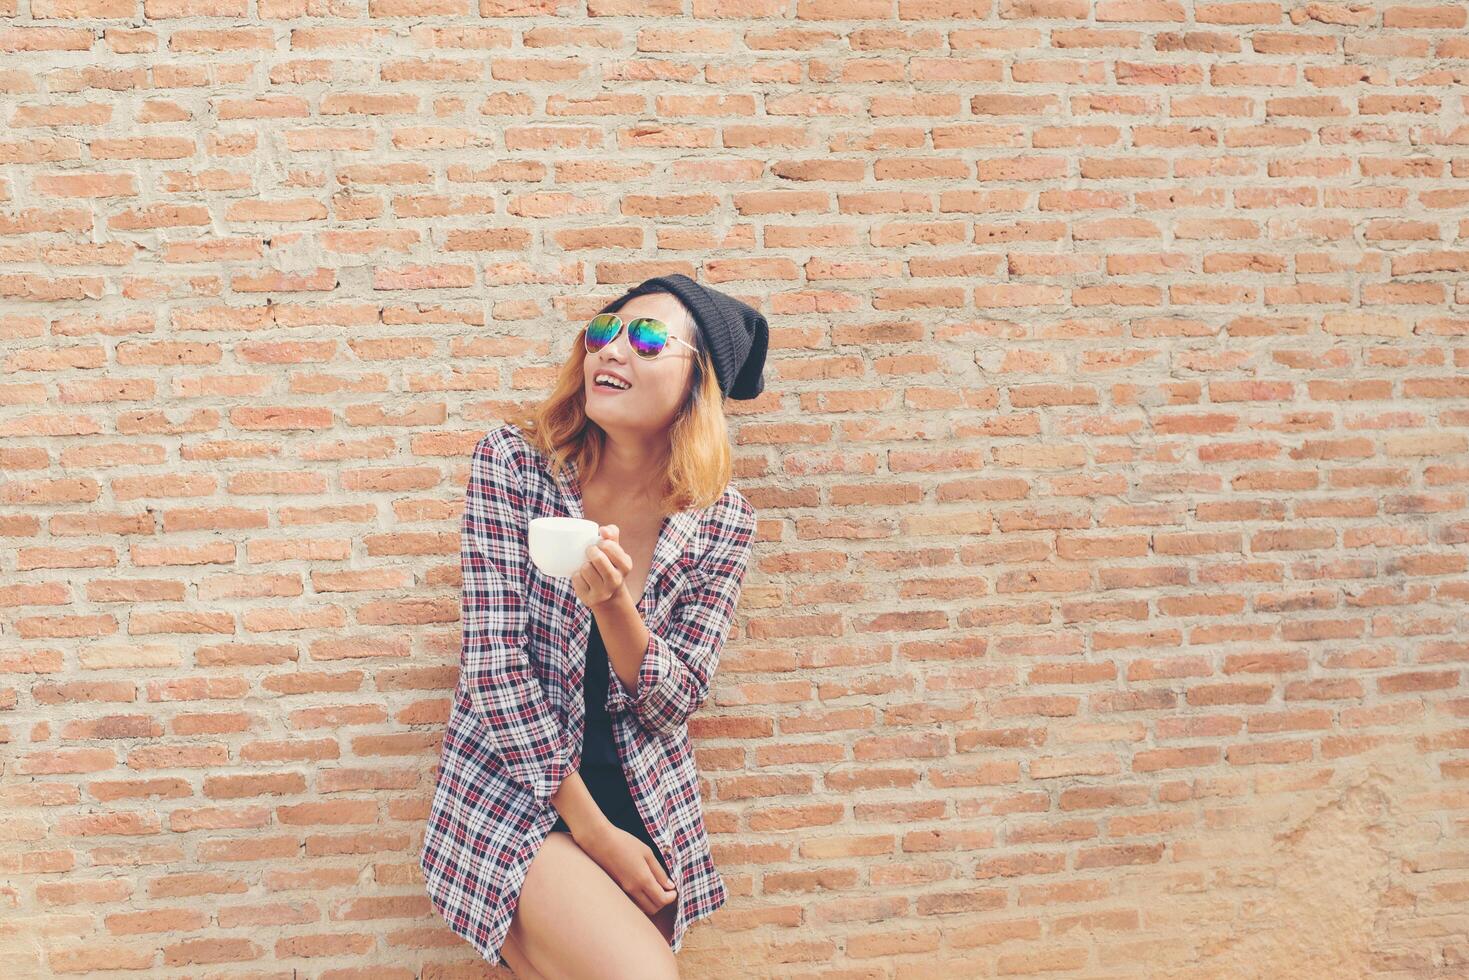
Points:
[574,921]
[519,963]
[664,919]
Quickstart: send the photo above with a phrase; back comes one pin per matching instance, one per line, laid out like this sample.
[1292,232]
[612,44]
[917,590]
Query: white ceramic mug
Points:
[558,545]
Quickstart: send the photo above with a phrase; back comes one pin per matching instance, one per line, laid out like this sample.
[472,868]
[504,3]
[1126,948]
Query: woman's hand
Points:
[630,863]
[599,580]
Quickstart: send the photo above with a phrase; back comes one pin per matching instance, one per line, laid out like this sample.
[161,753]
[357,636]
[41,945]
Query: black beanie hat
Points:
[735,333]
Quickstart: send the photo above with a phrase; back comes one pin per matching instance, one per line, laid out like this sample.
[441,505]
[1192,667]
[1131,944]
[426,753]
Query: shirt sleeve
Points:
[495,669]
[673,679]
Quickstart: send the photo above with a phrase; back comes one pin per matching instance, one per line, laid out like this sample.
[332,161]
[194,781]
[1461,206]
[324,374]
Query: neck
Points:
[635,466]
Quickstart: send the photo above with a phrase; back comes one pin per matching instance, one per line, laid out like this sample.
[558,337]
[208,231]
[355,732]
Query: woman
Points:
[566,836]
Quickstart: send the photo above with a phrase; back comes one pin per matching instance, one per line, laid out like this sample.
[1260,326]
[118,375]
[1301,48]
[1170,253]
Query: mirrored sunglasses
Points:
[647,335]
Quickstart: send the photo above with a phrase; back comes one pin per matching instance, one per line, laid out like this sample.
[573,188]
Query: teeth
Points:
[612,381]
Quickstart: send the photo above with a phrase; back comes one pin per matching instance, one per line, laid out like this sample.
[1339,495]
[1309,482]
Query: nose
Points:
[620,346]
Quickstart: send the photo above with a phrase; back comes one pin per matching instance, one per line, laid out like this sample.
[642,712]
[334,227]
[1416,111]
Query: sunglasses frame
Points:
[625,324]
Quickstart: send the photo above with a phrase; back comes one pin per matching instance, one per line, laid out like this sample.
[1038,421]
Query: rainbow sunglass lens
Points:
[601,330]
[647,335]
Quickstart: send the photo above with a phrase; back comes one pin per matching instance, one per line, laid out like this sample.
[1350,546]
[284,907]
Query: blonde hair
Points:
[699,461]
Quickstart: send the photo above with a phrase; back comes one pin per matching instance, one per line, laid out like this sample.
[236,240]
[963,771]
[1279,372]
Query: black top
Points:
[598,748]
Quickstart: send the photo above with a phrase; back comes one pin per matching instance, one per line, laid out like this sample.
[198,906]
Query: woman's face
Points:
[659,387]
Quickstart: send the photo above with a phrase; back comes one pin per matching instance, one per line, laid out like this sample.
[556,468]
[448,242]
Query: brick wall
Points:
[1108,616]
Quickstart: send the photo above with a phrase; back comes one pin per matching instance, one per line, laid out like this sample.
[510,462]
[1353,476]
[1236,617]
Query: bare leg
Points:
[663,919]
[519,963]
[574,922]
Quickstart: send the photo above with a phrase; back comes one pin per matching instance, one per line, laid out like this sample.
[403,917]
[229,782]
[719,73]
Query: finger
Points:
[645,903]
[588,567]
[592,576]
[613,549]
[616,558]
[601,567]
[620,558]
[658,872]
[655,896]
[584,589]
[662,893]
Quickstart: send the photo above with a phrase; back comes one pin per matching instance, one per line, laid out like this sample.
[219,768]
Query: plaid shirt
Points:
[517,717]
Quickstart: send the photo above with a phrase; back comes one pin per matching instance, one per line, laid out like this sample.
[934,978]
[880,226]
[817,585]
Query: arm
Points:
[673,679]
[576,805]
[494,668]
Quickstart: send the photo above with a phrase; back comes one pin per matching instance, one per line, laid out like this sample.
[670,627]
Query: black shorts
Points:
[608,786]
